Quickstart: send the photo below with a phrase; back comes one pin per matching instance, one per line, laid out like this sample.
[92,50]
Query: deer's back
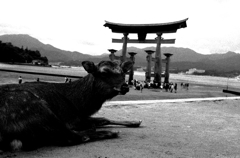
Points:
[34,102]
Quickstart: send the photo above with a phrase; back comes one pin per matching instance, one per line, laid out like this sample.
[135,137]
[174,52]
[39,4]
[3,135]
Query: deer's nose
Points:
[124,89]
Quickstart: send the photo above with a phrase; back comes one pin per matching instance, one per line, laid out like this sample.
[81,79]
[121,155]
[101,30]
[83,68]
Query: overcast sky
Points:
[77,25]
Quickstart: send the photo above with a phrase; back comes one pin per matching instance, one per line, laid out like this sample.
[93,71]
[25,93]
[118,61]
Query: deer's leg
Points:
[93,135]
[69,136]
[87,132]
[101,121]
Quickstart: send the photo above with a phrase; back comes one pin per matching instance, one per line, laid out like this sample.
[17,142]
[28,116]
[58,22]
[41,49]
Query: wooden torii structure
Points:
[142,30]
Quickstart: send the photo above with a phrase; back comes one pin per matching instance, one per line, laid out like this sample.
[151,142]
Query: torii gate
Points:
[142,30]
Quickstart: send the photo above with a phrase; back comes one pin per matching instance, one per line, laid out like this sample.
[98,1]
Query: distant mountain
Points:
[179,54]
[182,59]
[185,58]
[52,53]
[222,56]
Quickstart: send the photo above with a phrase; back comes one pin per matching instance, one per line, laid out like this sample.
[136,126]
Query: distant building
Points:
[194,70]
[141,69]
[237,78]
[39,62]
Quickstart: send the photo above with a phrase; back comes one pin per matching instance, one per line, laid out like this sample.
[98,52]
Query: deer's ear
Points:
[89,66]
[126,66]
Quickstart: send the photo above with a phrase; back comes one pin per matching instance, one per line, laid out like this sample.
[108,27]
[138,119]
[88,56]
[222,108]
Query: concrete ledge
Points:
[231,92]
[170,100]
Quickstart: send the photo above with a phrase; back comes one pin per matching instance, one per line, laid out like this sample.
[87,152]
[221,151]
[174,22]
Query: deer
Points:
[37,114]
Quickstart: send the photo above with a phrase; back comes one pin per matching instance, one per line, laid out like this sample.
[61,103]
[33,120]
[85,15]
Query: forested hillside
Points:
[10,53]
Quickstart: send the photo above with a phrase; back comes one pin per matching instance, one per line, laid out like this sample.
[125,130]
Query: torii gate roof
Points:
[169,27]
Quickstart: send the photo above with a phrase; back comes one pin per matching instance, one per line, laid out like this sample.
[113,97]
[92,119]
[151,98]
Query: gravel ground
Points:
[206,128]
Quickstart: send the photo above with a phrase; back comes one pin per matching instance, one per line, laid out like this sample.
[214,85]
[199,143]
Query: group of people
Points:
[169,87]
[67,80]
[185,85]
[151,85]
[138,85]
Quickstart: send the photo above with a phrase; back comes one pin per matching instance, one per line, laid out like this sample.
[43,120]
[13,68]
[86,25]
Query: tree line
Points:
[10,53]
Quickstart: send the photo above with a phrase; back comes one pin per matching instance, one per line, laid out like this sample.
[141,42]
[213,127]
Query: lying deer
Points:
[38,114]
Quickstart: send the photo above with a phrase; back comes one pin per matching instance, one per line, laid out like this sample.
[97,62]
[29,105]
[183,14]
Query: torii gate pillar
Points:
[131,73]
[149,60]
[124,47]
[168,55]
[158,61]
[112,55]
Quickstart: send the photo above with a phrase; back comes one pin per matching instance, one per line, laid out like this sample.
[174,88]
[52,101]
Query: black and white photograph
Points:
[119,79]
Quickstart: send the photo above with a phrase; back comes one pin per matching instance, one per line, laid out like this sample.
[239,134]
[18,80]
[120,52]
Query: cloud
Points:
[13,29]
[88,43]
[78,25]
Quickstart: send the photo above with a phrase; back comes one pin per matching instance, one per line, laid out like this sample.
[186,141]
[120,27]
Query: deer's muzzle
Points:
[124,89]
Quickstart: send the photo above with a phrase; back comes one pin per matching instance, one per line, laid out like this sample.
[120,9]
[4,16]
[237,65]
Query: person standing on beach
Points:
[66,80]
[175,87]
[20,79]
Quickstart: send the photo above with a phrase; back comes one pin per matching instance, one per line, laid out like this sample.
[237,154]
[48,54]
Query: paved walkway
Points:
[170,100]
